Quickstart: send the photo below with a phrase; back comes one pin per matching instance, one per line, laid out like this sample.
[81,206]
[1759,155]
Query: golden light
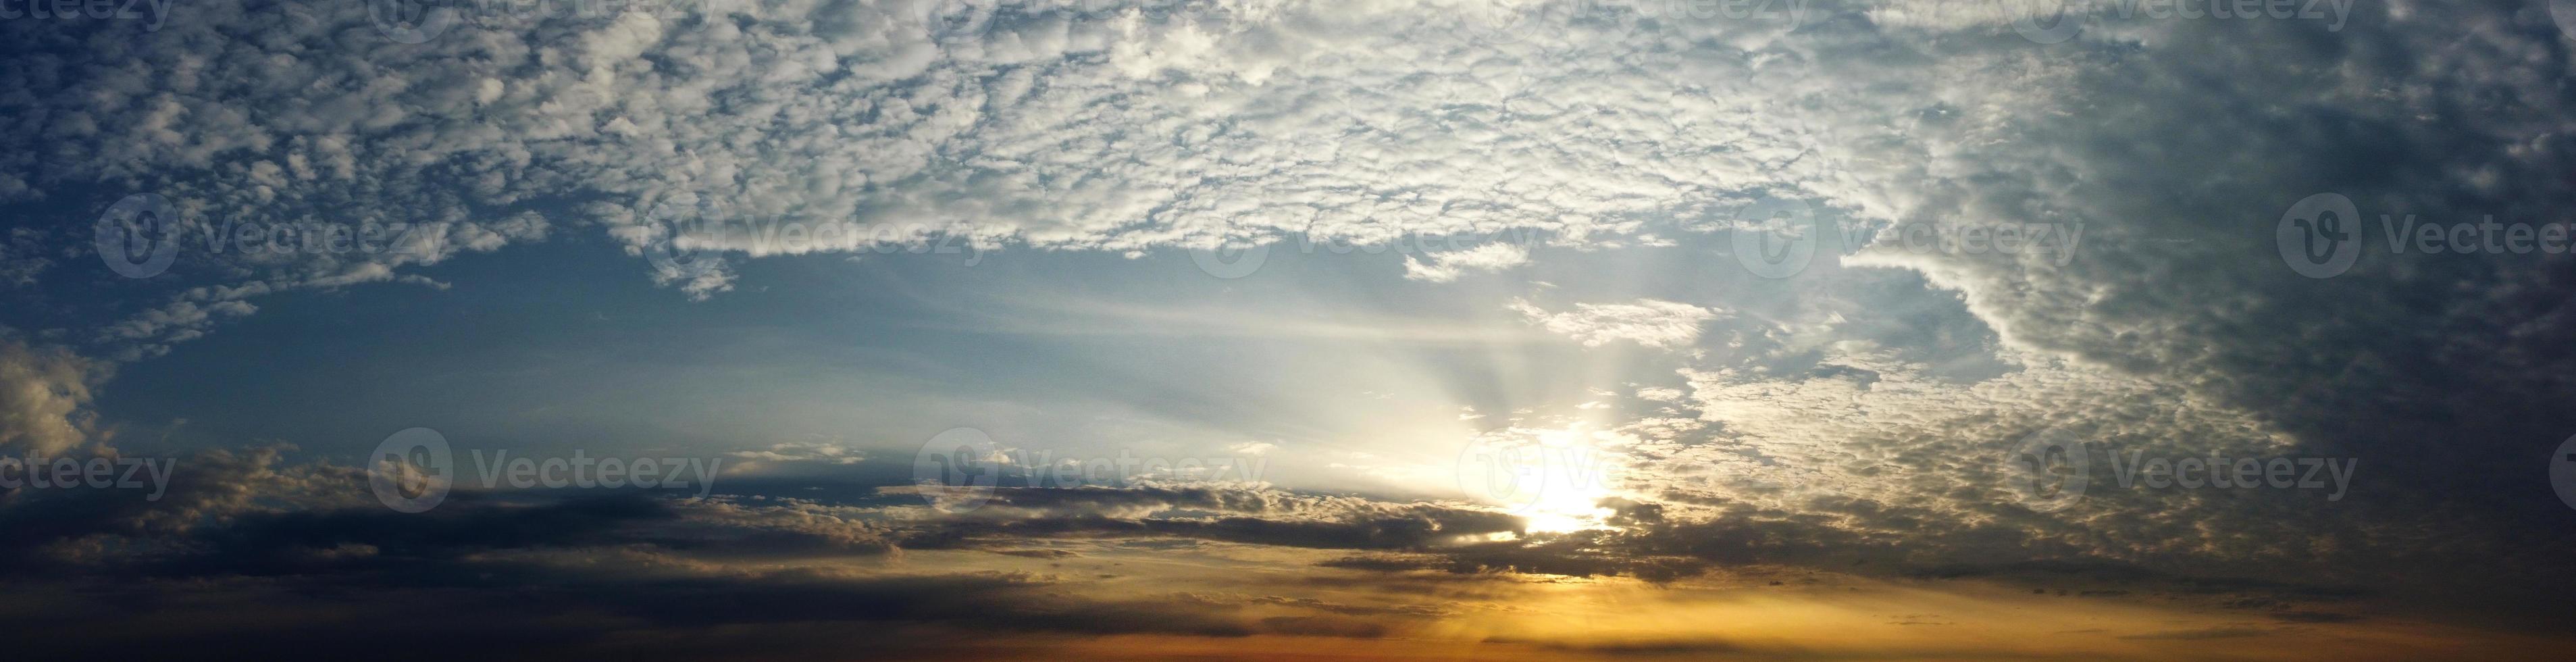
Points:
[1553,477]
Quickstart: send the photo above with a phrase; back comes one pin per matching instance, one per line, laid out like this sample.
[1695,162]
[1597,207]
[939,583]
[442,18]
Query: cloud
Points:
[1446,266]
[825,452]
[1648,322]
[23,256]
[817,128]
[802,128]
[2207,633]
[44,393]
[1258,516]
[246,528]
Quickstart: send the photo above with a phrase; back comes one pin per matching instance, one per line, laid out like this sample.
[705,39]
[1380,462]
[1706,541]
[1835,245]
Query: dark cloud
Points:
[1267,517]
[2442,373]
[536,575]
[1640,648]
[2206,633]
[1038,553]
[2177,144]
[525,614]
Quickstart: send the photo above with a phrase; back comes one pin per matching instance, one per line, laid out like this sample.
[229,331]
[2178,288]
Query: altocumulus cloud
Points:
[1651,323]
[1079,126]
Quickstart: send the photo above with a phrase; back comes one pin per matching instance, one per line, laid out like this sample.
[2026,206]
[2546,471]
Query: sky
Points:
[1276,329]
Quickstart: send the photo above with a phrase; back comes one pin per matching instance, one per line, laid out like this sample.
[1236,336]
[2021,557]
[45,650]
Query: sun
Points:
[1569,505]
[1553,478]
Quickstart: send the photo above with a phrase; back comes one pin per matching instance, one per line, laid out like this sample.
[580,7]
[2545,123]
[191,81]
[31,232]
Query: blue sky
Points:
[1080,350]
[1566,328]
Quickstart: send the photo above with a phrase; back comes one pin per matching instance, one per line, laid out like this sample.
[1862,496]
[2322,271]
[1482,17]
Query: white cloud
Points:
[826,452]
[1040,124]
[1045,125]
[43,393]
[1445,267]
[1648,322]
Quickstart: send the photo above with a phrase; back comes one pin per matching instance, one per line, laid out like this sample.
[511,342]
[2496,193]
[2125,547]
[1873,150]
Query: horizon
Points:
[1278,329]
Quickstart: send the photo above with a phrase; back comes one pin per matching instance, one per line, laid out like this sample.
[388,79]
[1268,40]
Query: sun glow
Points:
[1565,511]
[1554,478]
